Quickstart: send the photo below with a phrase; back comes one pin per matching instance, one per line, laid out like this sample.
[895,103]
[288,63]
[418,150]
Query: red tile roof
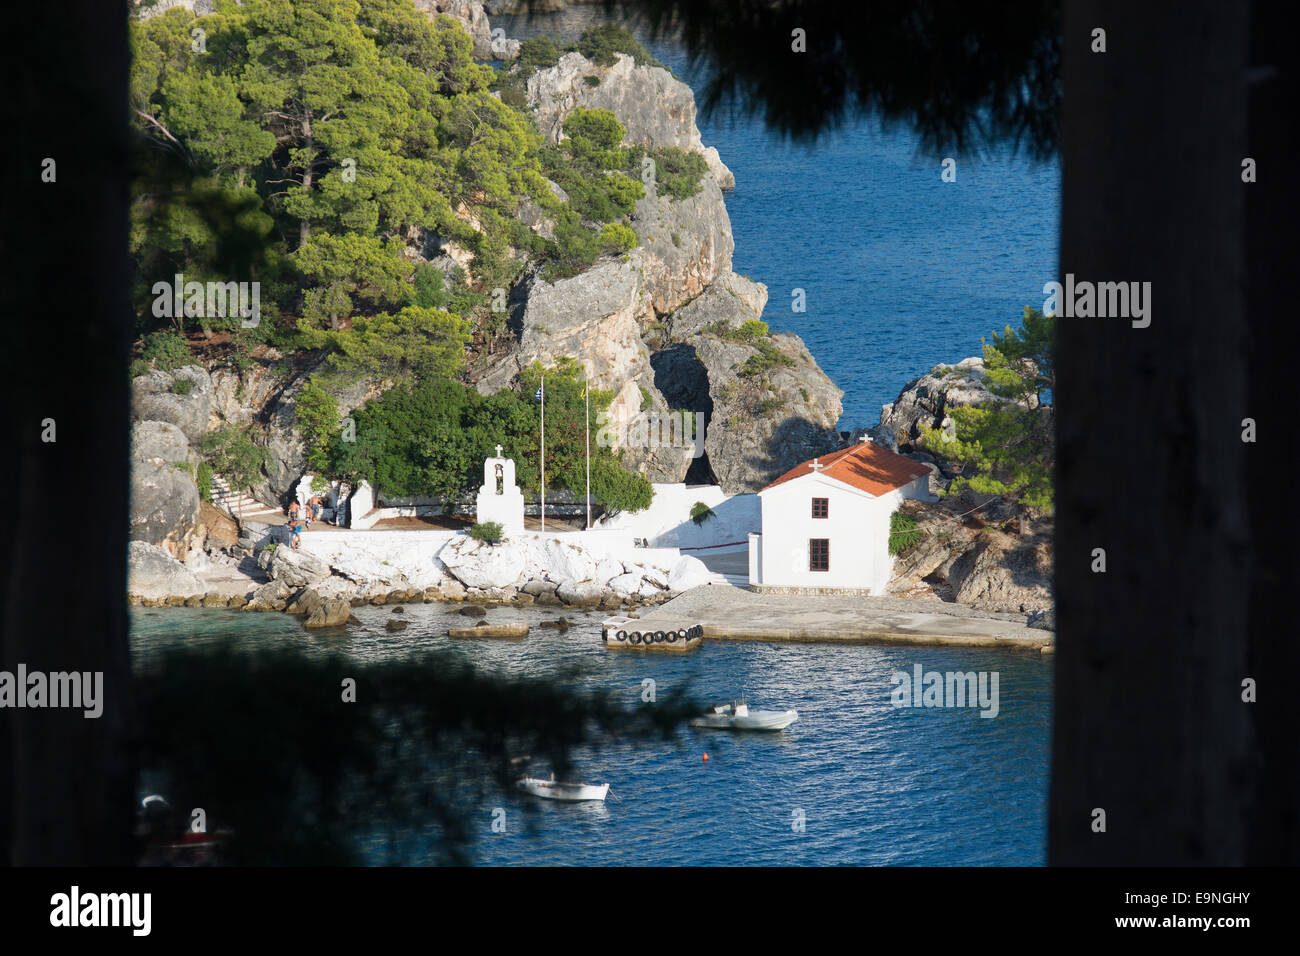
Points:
[868,466]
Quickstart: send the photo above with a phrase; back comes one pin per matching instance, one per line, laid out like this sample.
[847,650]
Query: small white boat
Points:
[738,716]
[556,790]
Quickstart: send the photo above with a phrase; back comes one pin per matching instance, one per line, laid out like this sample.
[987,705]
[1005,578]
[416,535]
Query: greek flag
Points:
[538,396]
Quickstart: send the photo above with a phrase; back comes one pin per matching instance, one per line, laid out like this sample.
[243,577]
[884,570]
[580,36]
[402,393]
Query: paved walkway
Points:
[730,613]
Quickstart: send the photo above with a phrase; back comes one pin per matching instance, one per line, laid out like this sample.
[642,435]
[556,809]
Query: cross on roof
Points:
[816,465]
[498,451]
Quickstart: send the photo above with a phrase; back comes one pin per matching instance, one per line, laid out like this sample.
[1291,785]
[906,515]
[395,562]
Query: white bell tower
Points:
[499,498]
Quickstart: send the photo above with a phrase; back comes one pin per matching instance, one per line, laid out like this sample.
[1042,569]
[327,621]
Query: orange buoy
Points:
[706,758]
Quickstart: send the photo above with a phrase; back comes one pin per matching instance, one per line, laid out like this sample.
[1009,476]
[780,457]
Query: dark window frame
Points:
[825,509]
[819,548]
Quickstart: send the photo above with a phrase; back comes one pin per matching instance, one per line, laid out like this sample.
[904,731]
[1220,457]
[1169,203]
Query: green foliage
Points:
[318,424]
[678,172]
[489,531]
[203,479]
[617,238]
[600,43]
[537,53]
[429,437]
[416,342]
[166,350]
[182,386]
[346,265]
[309,132]
[767,357]
[430,287]
[700,513]
[1006,446]
[617,488]
[232,453]
[1030,365]
[903,533]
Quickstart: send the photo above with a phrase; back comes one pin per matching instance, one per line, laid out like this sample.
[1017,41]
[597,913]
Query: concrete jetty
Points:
[728,613]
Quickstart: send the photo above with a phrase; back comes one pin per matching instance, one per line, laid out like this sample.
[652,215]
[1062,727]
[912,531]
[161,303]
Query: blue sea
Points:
[900,270]
[855,781]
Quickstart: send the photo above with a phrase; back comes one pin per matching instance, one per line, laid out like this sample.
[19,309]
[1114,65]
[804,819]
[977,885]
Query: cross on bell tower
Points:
[498,451]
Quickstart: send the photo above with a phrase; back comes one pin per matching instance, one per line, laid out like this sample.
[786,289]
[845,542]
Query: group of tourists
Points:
[300,518]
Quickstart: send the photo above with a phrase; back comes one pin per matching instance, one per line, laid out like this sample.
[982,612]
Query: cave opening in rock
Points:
[682,379]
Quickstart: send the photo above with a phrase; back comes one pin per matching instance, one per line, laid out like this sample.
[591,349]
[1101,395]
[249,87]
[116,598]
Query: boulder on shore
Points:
[330,613]
[297,569]
[153,573]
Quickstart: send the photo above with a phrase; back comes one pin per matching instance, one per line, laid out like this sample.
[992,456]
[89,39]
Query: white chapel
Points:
[825,522]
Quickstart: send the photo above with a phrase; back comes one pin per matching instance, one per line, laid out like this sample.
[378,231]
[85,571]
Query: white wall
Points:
[857,527]
[667,522]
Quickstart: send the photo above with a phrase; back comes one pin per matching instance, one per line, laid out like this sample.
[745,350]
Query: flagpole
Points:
[543,391]
[586,393]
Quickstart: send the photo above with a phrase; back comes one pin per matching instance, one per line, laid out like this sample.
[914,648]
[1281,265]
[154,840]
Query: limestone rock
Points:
[924,400]
[480,565]
[221,530]
[159,443]
[1006,577]
[153,573]
[683,245]
[595,315]
[152,399]
[331,613]
[272,596]
[730,300]
[307,602]
[580,593]
[164,505]
[297,568]
[763,425]
[655,108]
[689,572]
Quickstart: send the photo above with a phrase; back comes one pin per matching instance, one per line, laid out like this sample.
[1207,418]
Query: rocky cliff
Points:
[657,324]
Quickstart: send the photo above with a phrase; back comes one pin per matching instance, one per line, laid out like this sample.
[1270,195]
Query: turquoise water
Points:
[874,784]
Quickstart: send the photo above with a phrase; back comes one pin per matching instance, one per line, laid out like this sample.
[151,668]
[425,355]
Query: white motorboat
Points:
[557,790]
[738,716]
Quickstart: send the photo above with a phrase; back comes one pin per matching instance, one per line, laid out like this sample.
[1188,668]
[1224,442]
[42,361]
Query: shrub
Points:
[489,531]
[617,238]
[204,481]
[139,367]
[231,452]
[617,488]
[182,386]
[537,53]
[700,513]
[430,289]
[166,350]
[903,533]
[678,172]
[600,43]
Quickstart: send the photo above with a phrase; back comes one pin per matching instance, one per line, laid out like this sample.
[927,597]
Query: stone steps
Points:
[240,505]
